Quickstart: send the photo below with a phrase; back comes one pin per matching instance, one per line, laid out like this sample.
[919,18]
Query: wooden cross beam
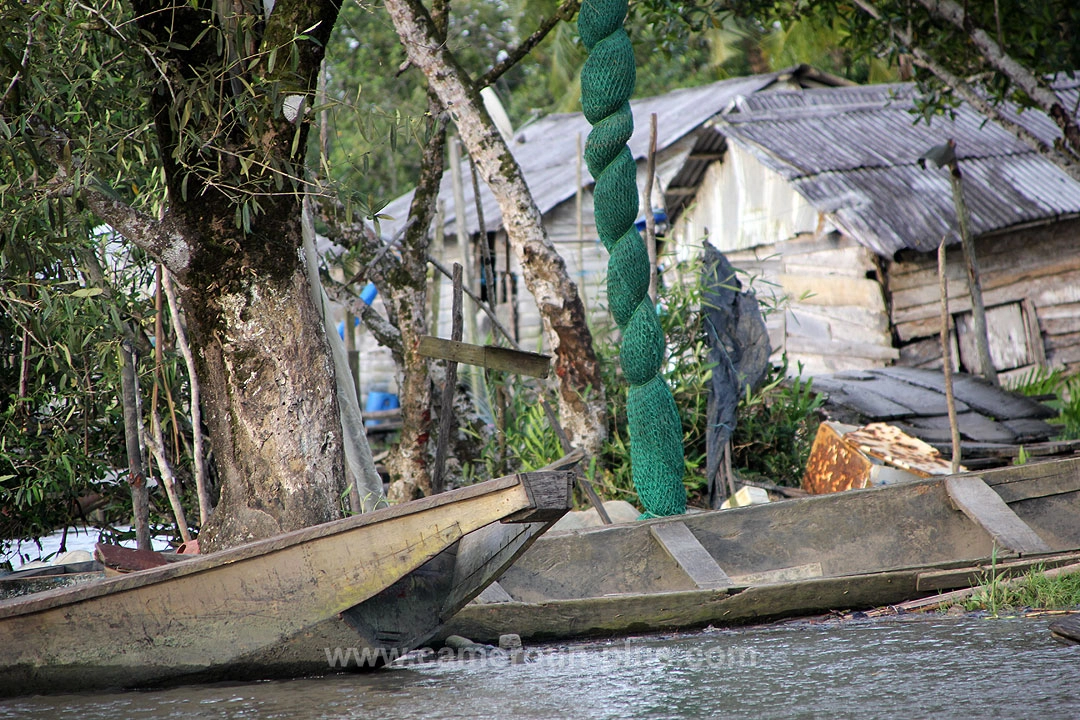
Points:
[486,356]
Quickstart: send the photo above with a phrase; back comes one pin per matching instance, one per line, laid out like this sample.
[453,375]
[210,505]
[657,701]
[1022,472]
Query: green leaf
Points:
[87,292]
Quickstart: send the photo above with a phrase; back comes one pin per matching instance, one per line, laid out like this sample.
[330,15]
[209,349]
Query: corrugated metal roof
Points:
[853,151]
[547,150]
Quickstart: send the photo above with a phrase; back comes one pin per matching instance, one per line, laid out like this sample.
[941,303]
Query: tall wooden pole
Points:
[946,358]
[579,203]
[978,309]
[650,220]
[464,245]
[446,409]
[140,495]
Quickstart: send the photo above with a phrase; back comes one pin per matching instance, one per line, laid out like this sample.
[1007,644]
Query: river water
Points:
[911,667]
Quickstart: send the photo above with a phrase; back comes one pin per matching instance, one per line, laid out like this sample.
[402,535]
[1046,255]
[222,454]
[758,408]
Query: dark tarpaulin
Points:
[738,351]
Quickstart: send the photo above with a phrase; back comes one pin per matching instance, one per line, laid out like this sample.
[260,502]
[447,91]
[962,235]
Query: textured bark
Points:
[262,358]
[581,403]
[268,387]
[409,464]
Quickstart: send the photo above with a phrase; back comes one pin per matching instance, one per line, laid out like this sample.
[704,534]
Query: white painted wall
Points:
[742,204]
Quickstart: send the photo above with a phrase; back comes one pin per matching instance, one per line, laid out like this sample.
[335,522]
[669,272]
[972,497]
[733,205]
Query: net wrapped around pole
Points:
[607,82]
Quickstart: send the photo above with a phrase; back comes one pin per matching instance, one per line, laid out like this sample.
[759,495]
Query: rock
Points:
[458,642]
[510,641]
[747,495]
[619,511]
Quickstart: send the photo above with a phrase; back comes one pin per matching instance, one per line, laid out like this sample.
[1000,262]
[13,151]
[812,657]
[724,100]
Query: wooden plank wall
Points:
[826,306]
[1037,267]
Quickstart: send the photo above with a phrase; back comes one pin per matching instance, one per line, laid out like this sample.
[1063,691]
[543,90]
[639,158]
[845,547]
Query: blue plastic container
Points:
[380,401]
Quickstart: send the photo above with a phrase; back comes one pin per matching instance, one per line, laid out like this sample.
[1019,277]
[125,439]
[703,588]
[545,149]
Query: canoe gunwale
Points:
[934,555]
[258,548]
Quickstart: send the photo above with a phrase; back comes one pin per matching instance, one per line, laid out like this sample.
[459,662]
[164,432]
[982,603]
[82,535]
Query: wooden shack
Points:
[549,153]
[818,197]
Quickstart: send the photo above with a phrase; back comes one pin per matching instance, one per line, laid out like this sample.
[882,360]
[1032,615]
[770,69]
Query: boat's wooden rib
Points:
[691,556]
[267,609]
[849,550]
[984,506]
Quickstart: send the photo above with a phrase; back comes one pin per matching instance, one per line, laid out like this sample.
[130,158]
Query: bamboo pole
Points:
[650,220]
[946,358]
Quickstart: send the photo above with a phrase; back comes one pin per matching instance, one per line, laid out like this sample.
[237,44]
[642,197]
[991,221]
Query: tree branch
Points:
[544,270]
[385,334]
[1047,100]
[971,96]
[563,12]
[164,239]
[371,252]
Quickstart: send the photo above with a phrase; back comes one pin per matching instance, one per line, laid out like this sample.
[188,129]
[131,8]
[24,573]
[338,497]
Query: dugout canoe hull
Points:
[280,607]
[844,551]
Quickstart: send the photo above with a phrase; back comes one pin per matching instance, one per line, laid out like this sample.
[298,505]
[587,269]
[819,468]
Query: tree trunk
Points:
[233,154]
[581,401]
[268,390]
[409,466]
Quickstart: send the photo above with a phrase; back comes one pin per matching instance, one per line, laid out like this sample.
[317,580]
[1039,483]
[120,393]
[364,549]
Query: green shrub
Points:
[776,426]
[1063,393]
[775,423]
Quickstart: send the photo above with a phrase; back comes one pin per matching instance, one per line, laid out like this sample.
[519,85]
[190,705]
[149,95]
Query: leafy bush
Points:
[1063,393]
[775,422]
[61,421]
[776,426]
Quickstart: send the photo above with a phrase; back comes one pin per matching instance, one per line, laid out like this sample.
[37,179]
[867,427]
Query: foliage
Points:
[776,428]
[775,422]
[1039,381]
[1059,392]
[61,427]
[376,112]
[1032,590]
[945,58]
[61,422]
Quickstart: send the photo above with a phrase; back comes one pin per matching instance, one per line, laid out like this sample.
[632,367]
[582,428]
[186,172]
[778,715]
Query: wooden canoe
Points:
[285,606]
[844,551]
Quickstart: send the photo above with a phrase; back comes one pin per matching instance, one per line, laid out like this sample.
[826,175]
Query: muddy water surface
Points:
[900,668]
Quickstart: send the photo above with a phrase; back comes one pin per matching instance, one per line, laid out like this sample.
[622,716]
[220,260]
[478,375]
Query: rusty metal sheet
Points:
[848,458]
[834,464]
[894,447]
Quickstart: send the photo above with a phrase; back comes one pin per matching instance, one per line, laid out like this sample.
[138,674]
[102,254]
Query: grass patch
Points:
[1032,590]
